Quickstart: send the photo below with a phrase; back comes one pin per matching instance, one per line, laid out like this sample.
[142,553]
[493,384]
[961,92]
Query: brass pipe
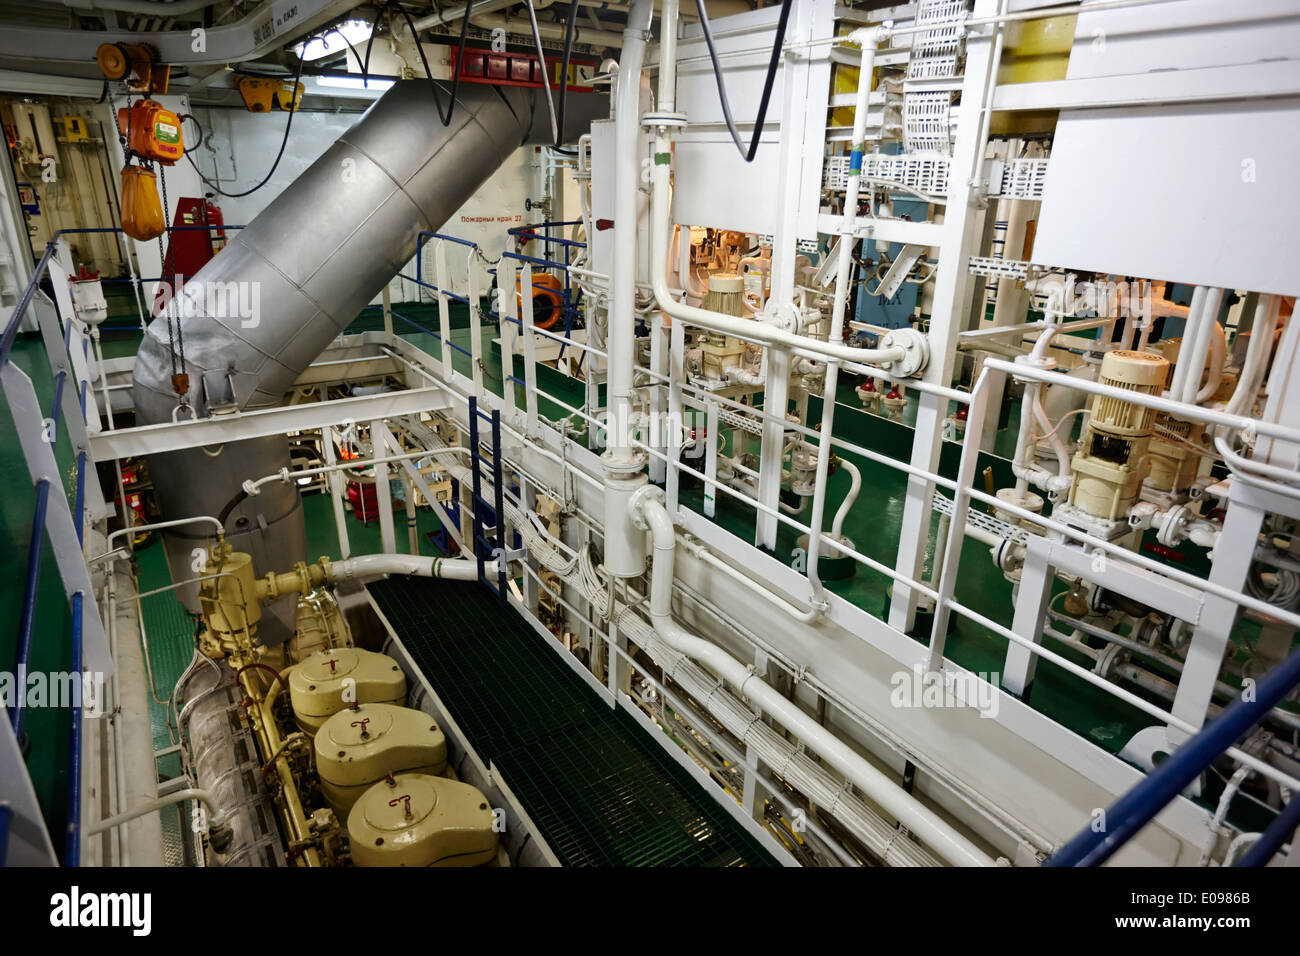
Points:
[261,718]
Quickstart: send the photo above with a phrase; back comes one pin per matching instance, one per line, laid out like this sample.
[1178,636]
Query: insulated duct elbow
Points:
[259,313]
[262,310]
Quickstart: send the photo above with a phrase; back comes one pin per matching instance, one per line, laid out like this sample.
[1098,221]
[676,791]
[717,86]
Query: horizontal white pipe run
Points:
[713,561]
[157,525]
[286,476]
[920,820]
[749,330]
[205,797]
[366,566]
[1177,409]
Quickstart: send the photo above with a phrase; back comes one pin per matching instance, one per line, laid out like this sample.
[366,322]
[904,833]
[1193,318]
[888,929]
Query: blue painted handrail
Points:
[6,814]
[1131,812]
[27,621]
[72,843]
[1281,830]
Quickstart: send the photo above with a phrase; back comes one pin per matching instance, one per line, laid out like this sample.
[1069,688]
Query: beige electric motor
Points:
[1112,457]
[362,744]
[726,295]
[327,682]
[413,819]
[1174,464]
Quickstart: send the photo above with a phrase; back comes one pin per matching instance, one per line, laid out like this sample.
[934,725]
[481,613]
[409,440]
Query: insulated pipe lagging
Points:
[920,820]
[259,313]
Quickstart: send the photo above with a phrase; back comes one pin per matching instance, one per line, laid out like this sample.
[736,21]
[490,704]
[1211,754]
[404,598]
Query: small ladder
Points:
[488,540]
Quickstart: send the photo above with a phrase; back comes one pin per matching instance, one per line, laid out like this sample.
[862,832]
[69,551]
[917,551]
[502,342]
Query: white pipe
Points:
[855,486]
[254,486]
[1257,355]
[1218,356]
[554,31]
[205,797]
[368,566]
[455,12]
[1023,466]
[713,561]
[621,335]
[870,40]
[1191,357]
[920,820]
[1253,371]
[1051,434]
[762,333]
[136,529]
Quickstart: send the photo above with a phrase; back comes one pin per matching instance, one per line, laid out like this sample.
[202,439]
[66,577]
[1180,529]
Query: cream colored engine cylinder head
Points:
[362,744]
[327,682]
[413,819]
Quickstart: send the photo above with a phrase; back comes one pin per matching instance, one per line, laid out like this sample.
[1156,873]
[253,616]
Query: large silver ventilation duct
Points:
[261,311]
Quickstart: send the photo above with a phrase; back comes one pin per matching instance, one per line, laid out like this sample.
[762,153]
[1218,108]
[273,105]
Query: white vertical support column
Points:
[1034,592]
[530,347]
[617,673]
[947,577]
[776,389]
[444,318]
[676,372]
[383,493]
[508,312]
[335,479]
[1011,308]
[528,501]
[412,517]
[1232,558]
[658,432]
[710,457]
[475,332]
[952,285]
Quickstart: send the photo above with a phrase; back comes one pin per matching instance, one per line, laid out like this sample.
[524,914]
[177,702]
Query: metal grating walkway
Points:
[601,792]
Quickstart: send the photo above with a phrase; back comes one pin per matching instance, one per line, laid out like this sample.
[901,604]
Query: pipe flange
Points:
[784,317]
[916,351]
[666,120]
[1113,655]
[1173,528]
[637,503]
[619,469]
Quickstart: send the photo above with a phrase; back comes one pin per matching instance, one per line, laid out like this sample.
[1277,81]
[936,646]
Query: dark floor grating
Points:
[599,790]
